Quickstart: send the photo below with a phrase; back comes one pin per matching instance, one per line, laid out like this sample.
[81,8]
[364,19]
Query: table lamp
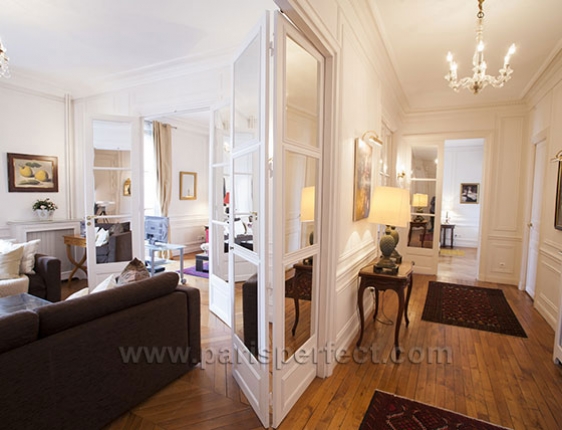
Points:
[389,206]
[308,199]
[419,201]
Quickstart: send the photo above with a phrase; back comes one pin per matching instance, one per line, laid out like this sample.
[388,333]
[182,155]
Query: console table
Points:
[444,229]
[79,241]
[400,283]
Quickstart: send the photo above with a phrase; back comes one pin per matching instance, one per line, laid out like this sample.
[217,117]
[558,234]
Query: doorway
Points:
[463,161]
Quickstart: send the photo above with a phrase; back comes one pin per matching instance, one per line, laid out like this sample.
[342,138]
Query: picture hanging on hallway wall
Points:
[32,173]
[362,182]
[470,193]
[558,209]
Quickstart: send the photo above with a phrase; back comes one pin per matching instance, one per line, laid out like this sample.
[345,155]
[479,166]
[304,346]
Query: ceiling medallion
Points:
[479,79]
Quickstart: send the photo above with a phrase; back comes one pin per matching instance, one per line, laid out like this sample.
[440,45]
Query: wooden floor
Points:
[502,379]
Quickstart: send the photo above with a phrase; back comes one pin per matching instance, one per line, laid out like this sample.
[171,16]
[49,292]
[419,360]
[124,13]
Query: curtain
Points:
[162,134]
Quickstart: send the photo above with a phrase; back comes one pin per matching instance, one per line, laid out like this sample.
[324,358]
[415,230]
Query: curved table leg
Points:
[398,320]
[297,312]
[360,293]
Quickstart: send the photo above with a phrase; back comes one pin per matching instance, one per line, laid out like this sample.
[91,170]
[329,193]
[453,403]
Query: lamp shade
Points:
[308,195]
[419,200]
[390,206]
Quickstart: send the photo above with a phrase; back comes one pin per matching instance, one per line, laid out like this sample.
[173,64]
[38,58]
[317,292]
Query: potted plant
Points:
[44,208]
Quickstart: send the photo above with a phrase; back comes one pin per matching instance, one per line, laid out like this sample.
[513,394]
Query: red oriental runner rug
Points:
[473,307]
[388,411]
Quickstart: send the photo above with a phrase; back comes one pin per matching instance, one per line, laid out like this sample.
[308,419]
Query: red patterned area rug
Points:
[388,411]
[473,307]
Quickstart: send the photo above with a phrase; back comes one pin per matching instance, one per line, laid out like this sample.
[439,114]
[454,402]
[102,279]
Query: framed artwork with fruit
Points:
[32,173]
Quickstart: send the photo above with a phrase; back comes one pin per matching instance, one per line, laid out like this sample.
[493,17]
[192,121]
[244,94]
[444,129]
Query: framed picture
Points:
[32,173]
[558,209]
[188,185]
[470,193]
[362,181]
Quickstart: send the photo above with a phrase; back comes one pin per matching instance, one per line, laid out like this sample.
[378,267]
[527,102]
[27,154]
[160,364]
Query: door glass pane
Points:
[219,250]
[302,95]
[246,303]
[300,200]
[222,142]
[421,228]
[299,281]
[424,162]
[113,190]
[247,95]
[221,193]
[245,200]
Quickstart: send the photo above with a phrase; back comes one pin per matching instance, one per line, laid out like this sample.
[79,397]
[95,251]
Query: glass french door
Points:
[297,187]
[220,293]
[246,187]
[112,194]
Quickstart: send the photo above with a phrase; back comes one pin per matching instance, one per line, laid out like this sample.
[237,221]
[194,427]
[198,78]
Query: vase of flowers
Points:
[44,209]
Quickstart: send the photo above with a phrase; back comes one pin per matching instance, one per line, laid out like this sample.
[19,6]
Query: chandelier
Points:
[479,79]
[4,71]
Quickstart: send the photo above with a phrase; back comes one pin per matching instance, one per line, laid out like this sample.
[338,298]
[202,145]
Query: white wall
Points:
[463,163]
[546,125]
[31,123]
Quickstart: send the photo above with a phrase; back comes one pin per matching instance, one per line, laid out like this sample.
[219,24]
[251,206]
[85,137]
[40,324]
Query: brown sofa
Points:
[81,363]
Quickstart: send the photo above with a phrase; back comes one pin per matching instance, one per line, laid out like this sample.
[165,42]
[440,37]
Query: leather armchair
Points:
[46,281]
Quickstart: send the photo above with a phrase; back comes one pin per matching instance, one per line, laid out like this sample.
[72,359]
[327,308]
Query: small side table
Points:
[200,262]
[444,229]
[79,241]
[400,283]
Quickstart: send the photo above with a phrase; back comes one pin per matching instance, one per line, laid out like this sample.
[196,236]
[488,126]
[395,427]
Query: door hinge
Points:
[271,48]
[270,398]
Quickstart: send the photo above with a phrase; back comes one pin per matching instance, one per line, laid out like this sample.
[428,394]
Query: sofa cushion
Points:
[17,329]
[134,271]
[10,262]
[63,315]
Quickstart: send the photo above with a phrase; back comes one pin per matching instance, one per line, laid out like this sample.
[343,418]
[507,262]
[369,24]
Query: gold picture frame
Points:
[362,179]
[32,173]
[127,187]
[470,193]
[188,185]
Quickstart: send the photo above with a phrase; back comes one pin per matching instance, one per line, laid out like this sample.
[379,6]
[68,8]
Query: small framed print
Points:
[32,173]
[470,193]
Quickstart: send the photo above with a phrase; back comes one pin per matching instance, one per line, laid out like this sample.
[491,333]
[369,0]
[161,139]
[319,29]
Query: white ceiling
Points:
[74,44]
[419,33]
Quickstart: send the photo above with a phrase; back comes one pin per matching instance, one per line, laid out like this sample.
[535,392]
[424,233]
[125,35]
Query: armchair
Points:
[119,246]
[46,281]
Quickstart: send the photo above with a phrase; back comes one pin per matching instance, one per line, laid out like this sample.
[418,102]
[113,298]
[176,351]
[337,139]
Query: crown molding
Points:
[548,76]
[160,72]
